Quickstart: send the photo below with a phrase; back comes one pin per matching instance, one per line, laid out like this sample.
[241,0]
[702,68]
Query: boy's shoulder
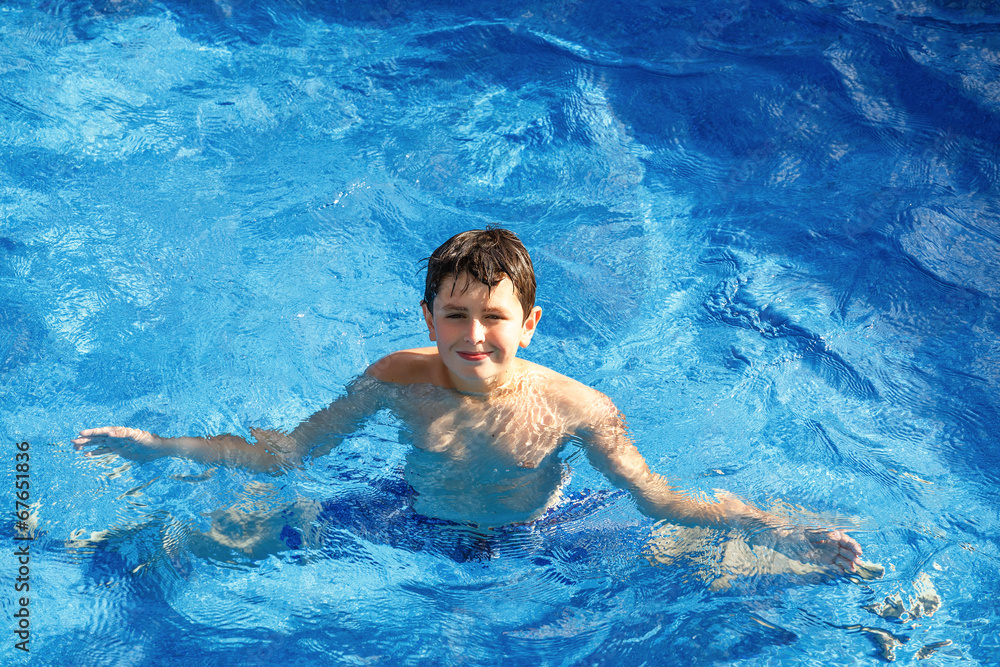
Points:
[582,404]
[415,366]
[424,366]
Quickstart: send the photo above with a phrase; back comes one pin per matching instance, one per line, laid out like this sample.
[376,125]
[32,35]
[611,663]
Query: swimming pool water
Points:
[767,229]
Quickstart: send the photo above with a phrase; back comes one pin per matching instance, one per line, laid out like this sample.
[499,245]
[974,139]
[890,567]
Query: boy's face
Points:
[478,331]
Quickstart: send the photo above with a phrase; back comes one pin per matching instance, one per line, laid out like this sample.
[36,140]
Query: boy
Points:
[486,427]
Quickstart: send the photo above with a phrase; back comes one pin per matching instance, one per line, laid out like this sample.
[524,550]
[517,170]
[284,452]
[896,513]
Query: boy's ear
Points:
[528,328]
[429,319]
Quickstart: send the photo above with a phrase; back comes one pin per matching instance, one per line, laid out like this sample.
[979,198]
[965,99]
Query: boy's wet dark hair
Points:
[487,255]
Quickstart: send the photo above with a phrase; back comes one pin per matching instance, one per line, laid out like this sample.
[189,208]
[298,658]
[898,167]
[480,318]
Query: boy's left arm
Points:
[612,452]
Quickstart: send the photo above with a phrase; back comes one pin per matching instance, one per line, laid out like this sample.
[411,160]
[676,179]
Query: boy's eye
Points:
[461,316]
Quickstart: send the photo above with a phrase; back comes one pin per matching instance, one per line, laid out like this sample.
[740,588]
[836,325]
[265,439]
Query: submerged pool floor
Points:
[768,230]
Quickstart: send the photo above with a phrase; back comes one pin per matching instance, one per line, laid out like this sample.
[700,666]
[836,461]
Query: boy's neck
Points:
[488,388]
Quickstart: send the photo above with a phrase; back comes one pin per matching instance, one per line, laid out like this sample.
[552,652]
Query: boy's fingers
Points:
[105,432]
[849,543]
[98,452]
[844,564]
[100,437]
[844,541]
[855,549]
[90,439]
[97,431]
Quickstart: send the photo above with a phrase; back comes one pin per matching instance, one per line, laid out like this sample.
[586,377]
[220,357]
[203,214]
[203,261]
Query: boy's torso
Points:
[493,459]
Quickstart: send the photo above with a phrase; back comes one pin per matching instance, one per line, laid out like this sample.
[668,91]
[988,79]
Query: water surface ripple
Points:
[767,230]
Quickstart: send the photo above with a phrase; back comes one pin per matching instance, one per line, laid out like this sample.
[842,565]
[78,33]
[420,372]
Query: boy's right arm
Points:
[274,451]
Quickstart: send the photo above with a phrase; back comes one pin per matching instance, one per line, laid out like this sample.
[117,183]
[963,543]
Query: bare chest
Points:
[513,433]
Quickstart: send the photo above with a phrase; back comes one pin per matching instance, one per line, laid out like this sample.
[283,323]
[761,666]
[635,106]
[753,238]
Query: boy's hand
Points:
[128,442]
[830,548]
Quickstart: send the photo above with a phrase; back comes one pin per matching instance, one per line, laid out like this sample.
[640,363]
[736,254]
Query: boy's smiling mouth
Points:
[474,356]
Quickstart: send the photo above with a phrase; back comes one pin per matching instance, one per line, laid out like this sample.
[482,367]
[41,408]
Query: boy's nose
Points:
[477,332]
